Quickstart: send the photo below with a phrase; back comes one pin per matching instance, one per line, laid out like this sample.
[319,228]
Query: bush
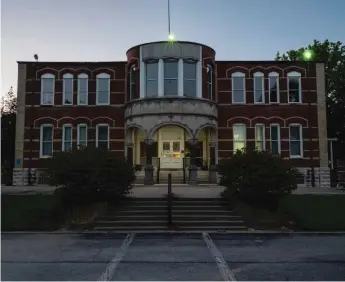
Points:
[88,175]
[259,179]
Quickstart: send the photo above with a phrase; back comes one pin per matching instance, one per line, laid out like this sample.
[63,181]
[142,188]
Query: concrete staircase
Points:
[188,214]
[176,176]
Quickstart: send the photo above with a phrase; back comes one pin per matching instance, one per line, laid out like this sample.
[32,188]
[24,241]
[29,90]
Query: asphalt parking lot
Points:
[169,257]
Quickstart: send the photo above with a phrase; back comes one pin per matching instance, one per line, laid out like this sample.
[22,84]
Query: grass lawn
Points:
[43,212]
[299,212]
[30,212]
[316,212]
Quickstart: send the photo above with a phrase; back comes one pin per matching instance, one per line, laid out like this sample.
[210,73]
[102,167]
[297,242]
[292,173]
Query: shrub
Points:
[88,175]
[260,179]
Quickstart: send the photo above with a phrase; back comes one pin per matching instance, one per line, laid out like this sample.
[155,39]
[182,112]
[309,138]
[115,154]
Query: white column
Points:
[142,76]
[160,77]
[180,77]
[199,79]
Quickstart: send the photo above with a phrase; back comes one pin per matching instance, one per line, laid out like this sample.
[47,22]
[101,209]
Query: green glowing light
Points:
[171,37]
[307,54]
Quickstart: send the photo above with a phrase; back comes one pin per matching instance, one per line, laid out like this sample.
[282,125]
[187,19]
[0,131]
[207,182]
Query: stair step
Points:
[165,228]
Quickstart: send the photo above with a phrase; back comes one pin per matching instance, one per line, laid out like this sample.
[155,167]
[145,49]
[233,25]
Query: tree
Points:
[333,55]
[259,179]
[88,175]
[8,133]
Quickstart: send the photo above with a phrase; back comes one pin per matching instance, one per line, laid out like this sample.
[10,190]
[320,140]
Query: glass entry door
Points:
[171,154]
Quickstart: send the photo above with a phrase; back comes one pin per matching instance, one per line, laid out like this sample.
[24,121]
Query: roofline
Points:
[69,62]
[265,61]
[153,42]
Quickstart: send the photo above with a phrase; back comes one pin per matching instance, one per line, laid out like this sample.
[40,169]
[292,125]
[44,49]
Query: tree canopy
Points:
[333,55]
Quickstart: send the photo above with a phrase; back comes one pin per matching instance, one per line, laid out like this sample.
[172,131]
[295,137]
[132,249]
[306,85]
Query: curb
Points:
[257,232]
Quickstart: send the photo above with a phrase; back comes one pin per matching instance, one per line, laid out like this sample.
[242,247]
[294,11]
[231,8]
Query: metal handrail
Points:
[158,169]
[169,200]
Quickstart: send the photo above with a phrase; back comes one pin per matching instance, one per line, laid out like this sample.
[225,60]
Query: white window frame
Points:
[165,79]
[156,62]
[41,139]
[263,137]
[78,133]
[274,75]
[210,82]
[67,77]
[132,81]
[278,133]
[195,64]
[97,128]
[47,76]
[297,75]
[102,76]
[63,135]
[236,75]
[83,76]
[233,135]
[262,76]
[301,140]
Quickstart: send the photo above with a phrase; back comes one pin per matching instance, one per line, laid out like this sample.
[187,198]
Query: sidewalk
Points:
[161,190]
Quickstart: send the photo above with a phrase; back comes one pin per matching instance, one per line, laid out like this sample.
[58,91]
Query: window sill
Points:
[47,105]
[45,157]
[294,102]
[296,157]
[238,103]
[108,104]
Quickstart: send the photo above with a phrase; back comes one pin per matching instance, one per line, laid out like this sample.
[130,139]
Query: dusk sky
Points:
[103,30]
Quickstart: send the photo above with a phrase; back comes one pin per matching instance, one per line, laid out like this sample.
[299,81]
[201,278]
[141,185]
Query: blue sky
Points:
[102,30]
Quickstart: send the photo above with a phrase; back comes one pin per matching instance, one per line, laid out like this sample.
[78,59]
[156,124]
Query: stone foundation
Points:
[322,177]
[21,176]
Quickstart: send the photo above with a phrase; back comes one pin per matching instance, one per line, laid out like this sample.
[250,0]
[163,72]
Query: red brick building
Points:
[168,98]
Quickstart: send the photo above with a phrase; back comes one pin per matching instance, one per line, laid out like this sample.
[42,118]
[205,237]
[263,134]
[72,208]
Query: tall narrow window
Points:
[260,137]
[83,81]
[273,84]
[132,93]
[239,136]
[67,97]
[294,87]
[102,136]
[46,140]
[152,78]
[66,137]
[209,82]
[170,77]
[259,88]
[296,141]
[82,135]
[47,89]
[238,88]
[103,89]
[275,138]
[189,78]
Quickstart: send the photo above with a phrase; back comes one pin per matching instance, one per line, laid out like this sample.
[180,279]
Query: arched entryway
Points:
[170,148]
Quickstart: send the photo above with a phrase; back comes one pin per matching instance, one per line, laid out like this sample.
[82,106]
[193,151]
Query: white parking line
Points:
[113,264]
[224,270]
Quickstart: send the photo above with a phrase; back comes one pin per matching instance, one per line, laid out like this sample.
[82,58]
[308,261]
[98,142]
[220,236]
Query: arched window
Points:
[238,88]
[294,87]
[259,88]
[83,81]
[103,89]
[47,89]
[273,87]
[67,96]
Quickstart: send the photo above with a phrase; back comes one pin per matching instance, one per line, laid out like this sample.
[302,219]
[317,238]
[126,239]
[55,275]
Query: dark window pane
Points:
[189,70]
[152,70]
[238,96]
[189,88]
[295,133]
[274,147]
[295,149]
[47,134]
[170,87]
[171,69]
[274,133]
[238,83]
[102,133]
[151,88]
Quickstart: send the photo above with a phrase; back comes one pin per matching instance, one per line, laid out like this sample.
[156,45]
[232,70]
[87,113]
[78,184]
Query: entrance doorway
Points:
[171,155]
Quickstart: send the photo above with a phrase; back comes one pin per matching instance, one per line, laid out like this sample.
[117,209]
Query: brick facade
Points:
[31,114]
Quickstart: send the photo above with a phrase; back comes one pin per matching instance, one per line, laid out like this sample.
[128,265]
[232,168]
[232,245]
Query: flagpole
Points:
[168,16]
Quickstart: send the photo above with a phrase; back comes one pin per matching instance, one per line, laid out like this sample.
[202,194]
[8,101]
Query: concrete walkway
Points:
[160,190]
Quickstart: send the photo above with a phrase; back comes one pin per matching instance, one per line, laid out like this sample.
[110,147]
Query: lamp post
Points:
[307,55]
